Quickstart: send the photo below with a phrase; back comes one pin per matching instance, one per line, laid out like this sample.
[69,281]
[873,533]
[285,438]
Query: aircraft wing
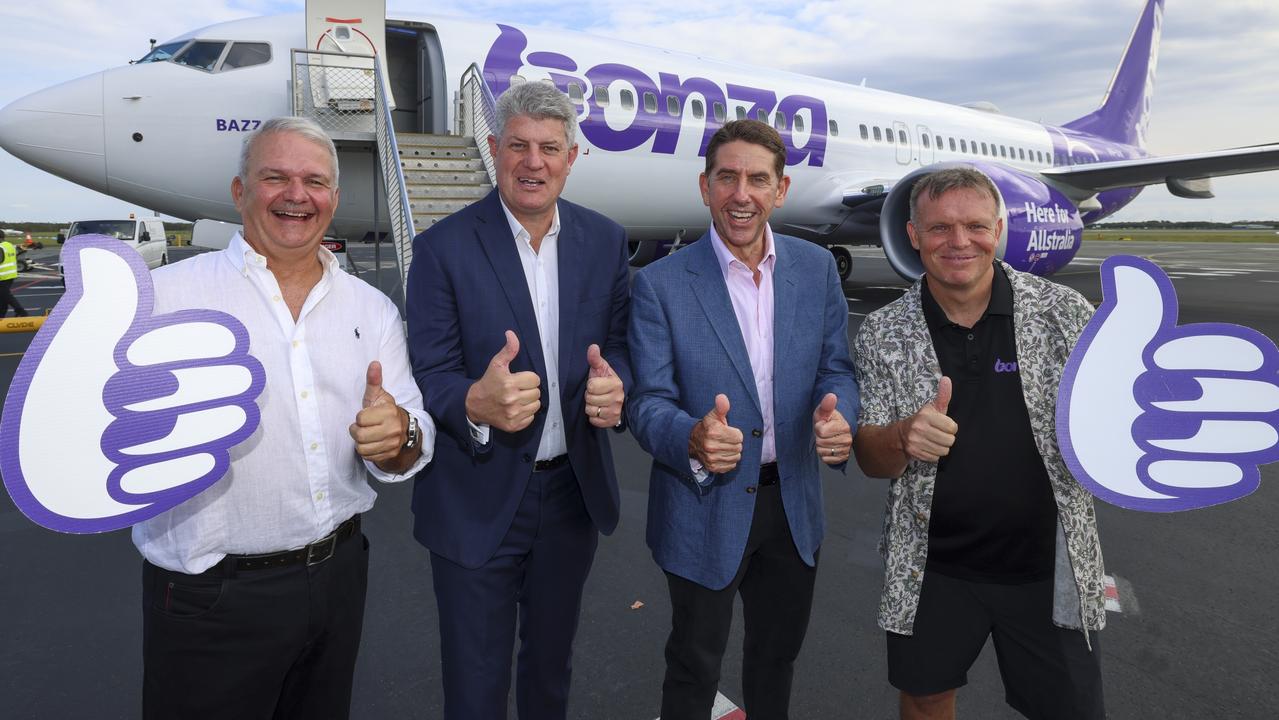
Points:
[1171,169]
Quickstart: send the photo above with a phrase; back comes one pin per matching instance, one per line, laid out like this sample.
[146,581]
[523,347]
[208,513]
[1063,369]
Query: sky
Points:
[1217,83]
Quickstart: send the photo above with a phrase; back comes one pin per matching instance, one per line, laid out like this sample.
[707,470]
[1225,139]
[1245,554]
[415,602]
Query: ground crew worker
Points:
[9,273]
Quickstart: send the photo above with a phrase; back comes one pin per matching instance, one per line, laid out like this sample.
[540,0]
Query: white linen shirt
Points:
[298,476]
[542,274]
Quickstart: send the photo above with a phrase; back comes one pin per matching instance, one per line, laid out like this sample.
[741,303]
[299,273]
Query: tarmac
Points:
[1194,634]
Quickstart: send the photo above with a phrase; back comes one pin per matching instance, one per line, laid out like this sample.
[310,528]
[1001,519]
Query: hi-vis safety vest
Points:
[9,266]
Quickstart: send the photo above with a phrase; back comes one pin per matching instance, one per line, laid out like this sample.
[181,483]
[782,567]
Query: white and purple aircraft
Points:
[164,133]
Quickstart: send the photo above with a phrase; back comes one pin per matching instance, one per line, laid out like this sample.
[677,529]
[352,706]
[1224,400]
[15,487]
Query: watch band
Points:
[414,433]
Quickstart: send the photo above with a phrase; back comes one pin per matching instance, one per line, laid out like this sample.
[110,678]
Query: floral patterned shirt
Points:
[897,371]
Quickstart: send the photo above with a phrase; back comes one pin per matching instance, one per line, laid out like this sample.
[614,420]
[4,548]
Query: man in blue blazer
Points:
[517,309]
[743,383]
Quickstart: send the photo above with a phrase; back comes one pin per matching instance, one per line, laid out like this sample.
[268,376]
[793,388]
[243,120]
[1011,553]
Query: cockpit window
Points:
[201,54]
[160,53]
[244,54]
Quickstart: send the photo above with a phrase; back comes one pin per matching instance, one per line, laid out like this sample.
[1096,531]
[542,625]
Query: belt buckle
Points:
[326,545]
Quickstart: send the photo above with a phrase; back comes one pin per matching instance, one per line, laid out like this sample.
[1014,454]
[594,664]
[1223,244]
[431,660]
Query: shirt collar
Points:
[1000,303]
[243,256]
[518,230]
[726,257]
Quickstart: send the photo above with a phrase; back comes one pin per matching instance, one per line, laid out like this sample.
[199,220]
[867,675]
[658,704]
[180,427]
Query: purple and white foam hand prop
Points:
[1159,417]
[115,414]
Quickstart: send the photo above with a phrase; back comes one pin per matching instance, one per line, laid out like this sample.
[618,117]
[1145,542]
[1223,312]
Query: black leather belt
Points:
[768,474]
[544,465]
[313,554]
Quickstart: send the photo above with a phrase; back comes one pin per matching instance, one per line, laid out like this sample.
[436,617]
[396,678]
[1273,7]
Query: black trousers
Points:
[257,644]
[9,300]
[536,575]
[776,586]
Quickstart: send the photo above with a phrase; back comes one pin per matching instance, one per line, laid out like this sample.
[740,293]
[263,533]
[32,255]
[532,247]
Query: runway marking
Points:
[724,709]
[1119,596]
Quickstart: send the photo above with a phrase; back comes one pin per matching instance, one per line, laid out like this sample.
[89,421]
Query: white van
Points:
[146,235]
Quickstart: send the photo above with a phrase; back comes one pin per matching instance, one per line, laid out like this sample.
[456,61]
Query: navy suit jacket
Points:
[465,288]
[687,348]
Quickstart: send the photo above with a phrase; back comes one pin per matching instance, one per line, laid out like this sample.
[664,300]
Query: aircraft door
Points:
[926,149]
[903,143]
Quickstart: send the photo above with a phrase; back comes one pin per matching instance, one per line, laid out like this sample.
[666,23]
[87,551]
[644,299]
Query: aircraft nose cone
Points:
[60,130]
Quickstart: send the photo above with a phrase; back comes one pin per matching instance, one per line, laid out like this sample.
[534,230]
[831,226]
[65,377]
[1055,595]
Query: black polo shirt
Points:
[993,515]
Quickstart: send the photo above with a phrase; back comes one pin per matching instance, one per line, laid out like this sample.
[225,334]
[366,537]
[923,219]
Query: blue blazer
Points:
[687,347]
[465,288]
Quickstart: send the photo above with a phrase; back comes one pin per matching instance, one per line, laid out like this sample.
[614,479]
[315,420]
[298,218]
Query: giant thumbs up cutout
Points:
[115,414]
[1160,417]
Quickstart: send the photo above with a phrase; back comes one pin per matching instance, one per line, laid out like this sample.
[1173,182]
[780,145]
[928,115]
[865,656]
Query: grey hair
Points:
[539,100]
[307,128]
[940,182]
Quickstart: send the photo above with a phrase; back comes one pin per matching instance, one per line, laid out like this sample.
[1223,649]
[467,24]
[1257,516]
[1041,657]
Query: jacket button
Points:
[526,457]
[757,433]
[750,489]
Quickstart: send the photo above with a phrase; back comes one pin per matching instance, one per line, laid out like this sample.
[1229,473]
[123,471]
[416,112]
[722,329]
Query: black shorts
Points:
[1048,672]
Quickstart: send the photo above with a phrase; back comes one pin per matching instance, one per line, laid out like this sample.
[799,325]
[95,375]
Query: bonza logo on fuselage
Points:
[805,141]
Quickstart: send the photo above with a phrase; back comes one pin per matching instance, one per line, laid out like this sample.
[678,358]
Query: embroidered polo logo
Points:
[357,333]
[1005,367]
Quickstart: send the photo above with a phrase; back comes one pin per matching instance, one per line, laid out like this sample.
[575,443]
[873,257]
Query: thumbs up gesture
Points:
[502,399]
[116,413]
[714,443]
[381,427]
[929,434]
[833,434]
[604,391]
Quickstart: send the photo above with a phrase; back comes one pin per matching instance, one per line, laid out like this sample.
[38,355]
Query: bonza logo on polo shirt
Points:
[1005,367]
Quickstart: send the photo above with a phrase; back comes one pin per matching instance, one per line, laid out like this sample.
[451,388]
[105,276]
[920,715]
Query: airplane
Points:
[164,132]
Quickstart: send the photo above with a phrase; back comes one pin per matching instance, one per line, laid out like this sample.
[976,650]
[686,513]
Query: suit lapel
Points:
[571,252]
[785,300]
[708,286]
[495,238]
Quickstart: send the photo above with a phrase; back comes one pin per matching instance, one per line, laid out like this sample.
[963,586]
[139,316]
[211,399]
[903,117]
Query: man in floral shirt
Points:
[986,533]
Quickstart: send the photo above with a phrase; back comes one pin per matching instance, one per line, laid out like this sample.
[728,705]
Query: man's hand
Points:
[604,392]
[502,399]
[714,443]
[381,427]
[929,434]
[834,436]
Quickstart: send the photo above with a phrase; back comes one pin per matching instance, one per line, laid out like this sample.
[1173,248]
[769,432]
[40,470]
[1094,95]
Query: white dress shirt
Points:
[542,274]
[298,476]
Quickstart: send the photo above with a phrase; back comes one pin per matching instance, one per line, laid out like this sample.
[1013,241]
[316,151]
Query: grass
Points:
[1211,236]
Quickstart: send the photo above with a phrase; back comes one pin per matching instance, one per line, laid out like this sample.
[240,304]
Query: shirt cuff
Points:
[426,440]
[479,433]
[700,473]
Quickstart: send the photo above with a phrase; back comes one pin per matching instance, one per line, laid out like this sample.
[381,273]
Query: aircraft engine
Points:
[1042,228]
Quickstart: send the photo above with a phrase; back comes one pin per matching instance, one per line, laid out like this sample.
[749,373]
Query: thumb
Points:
[508,352]
[373,384]
[721,408]
[599,366]
[826,408]
[942,403]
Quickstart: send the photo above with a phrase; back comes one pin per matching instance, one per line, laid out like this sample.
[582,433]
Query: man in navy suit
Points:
[517,309]
[743,383]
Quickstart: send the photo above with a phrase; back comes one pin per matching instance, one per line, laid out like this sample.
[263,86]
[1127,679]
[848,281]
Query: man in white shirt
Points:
[253,591]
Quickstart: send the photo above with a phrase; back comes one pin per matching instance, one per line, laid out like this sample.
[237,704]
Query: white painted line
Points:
[724,709]
[1120,597]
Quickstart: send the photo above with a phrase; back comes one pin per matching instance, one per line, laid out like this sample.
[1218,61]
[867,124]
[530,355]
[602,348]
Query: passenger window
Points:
[878,134]
[719,112]
[925,139]
[834,128]
[699,110]
[779,122]
[901,137]
[672,106]
[799,123]
[984,151]
[938,139]
[761,115]
[952,144]
[650,102]
[865,132]
[741,113]
[575,93]
[627,98]
[246,54]
[601,95]
[201,54]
